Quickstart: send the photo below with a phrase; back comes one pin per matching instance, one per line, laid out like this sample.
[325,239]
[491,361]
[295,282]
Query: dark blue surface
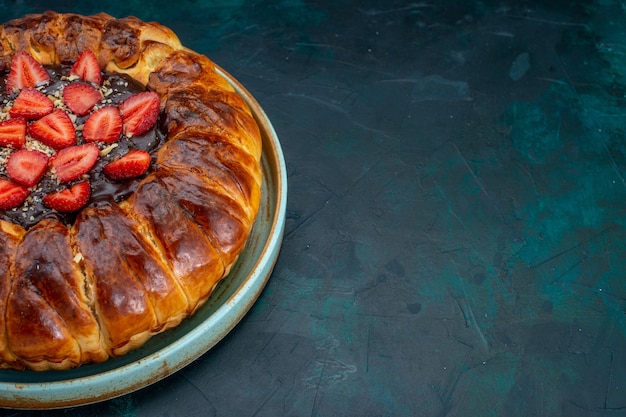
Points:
[456,217]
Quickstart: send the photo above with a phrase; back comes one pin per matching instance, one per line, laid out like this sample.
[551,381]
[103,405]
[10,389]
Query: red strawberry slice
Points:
[81,97]
[140,112]
[55,130]
[86,67]
[11,194]
[71,163]
[31,104]
[25,72]
[133,164]
[26,167]
[103,125]
[13,133]
[70,199]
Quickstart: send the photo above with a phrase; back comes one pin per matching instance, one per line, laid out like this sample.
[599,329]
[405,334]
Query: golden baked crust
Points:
[123,272]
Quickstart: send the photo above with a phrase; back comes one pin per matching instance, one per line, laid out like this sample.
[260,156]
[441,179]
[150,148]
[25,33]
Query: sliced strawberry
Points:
[71,163]
[140,112]
[70,199]
[131,165]
[55,130]
[11,194]
[86,67]
[31,104]
[25,72]
[81,97]
[13,133]
[26,167]
[103,125]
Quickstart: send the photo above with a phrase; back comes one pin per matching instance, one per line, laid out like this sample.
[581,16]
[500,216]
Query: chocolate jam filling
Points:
[116,87]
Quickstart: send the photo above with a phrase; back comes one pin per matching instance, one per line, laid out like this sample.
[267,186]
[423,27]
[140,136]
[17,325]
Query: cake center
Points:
[71,137]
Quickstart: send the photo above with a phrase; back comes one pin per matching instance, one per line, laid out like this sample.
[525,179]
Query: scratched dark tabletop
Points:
[455,231]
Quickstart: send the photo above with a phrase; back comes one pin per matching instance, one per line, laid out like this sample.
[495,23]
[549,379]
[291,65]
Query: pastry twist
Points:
[123,272]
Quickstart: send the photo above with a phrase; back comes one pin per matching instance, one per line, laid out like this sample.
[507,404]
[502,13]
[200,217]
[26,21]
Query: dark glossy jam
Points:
[116,87]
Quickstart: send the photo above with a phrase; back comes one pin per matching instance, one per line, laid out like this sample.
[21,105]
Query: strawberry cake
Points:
[129,182]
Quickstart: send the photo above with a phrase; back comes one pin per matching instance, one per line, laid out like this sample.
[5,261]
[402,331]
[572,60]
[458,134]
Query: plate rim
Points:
[168,360]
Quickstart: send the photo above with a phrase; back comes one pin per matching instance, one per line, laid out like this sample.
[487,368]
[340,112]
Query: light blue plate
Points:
[168,352]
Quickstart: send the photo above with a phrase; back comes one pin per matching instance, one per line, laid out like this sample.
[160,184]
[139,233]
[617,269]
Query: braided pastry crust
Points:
[123,272]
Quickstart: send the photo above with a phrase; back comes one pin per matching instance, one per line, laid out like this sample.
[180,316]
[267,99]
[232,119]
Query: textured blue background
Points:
[456,217]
